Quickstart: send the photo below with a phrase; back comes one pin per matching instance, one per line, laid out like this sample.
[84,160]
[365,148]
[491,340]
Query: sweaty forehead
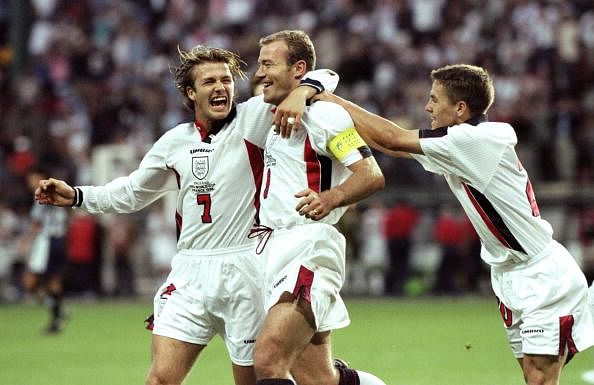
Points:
[211,70]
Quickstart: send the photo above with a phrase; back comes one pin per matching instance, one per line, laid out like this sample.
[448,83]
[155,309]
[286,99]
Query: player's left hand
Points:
[312,205]
[287,117]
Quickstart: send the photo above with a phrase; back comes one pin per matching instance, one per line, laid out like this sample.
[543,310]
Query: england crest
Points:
[200,166]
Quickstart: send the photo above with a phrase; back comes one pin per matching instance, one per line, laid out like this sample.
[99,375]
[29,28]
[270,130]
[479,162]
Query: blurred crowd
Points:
[77,76]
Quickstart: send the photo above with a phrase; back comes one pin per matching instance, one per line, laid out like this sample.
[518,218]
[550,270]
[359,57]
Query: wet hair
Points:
[184,76]
[300,46]
[468,83]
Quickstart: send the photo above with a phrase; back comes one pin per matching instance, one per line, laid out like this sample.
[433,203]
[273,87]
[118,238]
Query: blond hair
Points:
[300,46]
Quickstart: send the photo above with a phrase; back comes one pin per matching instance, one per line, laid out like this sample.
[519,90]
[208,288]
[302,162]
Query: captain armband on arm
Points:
[348,146]
[78,197]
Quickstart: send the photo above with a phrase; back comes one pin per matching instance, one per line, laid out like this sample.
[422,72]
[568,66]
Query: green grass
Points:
[405,342]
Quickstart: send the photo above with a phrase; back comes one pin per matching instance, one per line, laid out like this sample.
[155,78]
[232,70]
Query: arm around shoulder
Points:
[379,132]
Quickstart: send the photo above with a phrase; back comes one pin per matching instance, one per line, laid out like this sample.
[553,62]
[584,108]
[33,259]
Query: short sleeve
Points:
[470,152]
[327,121]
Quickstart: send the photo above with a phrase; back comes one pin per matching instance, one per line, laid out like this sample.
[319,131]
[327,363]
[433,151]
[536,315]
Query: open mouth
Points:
[266,84]
[219,102]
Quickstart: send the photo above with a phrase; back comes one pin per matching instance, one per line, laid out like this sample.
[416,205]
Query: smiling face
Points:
[212,92]
[444,112]
[276,75]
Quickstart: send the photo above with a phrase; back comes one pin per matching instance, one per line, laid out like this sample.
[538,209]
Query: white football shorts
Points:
[213,292]
[308,260]
[544,305]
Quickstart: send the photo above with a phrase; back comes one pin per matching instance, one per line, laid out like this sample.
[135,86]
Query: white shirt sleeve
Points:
[324,122]
[467,151]
[322,79]
[131,193]
[254,119]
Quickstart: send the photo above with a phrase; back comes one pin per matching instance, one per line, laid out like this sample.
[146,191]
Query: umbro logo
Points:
[279,282]
[195,150]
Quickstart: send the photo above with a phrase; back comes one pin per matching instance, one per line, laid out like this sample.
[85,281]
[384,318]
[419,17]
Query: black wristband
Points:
[78,197]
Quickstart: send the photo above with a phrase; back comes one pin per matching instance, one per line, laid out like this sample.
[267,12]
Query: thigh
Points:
[171,360]
[287,331]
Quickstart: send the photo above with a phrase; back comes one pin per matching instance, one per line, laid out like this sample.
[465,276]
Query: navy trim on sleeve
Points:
[443,131]
[312,83]
[435,133]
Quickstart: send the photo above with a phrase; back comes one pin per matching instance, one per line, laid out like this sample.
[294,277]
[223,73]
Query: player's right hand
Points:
[54,192]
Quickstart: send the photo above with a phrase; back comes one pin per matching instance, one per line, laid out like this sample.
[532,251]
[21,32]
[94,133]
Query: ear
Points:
[462,110]
[191,93]
[300,69]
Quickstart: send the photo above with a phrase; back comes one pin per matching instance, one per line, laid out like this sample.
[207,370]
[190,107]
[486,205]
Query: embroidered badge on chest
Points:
[200,166]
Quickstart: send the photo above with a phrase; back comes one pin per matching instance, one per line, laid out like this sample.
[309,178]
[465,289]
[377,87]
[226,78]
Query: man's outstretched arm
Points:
[379,132]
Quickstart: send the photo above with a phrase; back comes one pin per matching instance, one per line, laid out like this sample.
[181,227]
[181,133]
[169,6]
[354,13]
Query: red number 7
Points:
[204,199]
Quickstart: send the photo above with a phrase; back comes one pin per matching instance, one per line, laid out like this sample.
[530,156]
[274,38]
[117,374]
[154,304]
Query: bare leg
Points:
[171,360]
[244,375]
[542,369]
[315,364]
[286,333]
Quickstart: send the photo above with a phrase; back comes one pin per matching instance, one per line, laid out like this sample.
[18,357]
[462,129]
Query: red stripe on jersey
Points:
[312,166]
[565,338]
[303,284]
[256,156]
[485,217]
[201,130]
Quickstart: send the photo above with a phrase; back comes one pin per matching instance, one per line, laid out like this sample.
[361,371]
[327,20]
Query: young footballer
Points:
[541,292]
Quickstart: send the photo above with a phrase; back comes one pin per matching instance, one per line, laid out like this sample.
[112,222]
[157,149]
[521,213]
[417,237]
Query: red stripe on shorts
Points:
[303,284]
[565,338]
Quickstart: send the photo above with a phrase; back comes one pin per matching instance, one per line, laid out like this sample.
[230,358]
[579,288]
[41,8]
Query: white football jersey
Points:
[483,171]
[217,178]
[301,161]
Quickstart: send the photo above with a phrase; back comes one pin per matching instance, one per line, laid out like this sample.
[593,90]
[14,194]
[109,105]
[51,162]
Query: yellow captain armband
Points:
[346,142]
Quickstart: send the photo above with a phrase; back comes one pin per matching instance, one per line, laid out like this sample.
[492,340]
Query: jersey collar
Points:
[442,131]
[206,135]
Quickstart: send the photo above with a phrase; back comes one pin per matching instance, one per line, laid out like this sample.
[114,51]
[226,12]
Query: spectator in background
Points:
[448,232]
[85,239]
[399,224]
[473,268]
[374,249]
[44,245]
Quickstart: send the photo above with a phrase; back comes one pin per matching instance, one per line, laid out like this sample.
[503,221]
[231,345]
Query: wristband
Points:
[78,197]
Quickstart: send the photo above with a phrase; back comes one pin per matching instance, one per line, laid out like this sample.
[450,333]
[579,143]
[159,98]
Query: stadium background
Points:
[85,89]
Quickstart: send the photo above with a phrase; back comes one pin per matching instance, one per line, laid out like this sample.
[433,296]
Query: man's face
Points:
[213,91]
[443,111]
[277,77]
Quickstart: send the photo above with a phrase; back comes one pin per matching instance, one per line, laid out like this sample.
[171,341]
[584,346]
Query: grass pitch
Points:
[435,341]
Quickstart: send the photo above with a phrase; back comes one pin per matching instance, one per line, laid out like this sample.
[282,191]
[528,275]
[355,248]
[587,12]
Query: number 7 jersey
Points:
[218,176]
